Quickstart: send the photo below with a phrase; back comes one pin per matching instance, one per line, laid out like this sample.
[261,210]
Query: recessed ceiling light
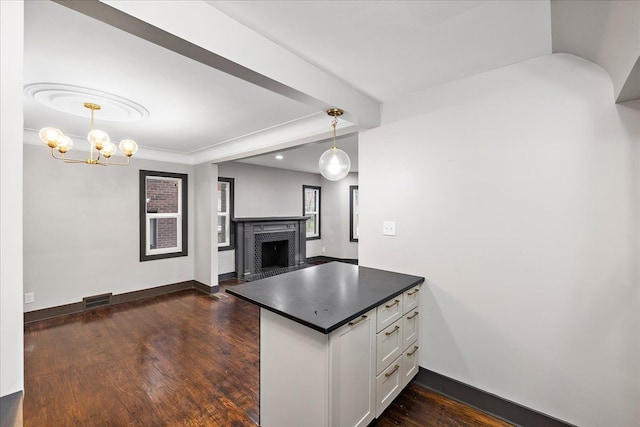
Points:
[279,157]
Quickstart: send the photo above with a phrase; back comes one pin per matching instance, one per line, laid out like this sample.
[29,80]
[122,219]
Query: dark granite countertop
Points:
[326,296]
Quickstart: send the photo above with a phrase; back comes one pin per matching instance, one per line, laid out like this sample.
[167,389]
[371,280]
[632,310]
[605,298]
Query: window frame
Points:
[182,217]
[318,189]
[230,215]
[352,236]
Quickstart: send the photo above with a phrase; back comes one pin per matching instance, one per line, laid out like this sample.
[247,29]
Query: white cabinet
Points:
[396,346]
[389,345]
[351,372]
[410,325]
[389,311]
[410,364]
[388,385]
[410,299]
[314,379]
[342,379]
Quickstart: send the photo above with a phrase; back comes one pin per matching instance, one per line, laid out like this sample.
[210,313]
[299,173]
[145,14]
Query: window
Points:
[225,214]
[311,202]
[354,208]
[163,215]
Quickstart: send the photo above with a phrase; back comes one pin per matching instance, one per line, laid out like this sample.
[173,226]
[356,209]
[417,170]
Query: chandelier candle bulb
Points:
[128,147]
[64,144]
[50,136]
[108,149]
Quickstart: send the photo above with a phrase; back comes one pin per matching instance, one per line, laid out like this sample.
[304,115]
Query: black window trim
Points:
[314,187]
[143,214]
[232,228]
[351,230]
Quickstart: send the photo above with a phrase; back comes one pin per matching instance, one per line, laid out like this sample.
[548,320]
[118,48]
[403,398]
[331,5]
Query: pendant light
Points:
[334,163]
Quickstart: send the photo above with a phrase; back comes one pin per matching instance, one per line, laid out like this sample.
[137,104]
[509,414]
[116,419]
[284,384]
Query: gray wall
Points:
[81,230]
[335,218]
[262,192]
[516,194]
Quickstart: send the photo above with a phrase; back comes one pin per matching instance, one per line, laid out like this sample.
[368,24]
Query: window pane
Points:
[162,195]
[222,229]
[166,233]
[310,201]
[223,191]
[311,225]
[356,213]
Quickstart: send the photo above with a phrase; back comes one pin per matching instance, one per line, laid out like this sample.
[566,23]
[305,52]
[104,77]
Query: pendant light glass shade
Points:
[334,164]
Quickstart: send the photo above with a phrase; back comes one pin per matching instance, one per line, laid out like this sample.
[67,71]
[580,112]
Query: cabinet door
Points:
[388,385]
[352,372]
[389,345]
[389,312]
[410,324]
[410,299]
[410,364]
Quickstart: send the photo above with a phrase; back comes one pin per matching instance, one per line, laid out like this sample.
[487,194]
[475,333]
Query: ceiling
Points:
[258,78]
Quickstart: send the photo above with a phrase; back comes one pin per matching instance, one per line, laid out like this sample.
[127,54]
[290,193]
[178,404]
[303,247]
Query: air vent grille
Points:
[96,301]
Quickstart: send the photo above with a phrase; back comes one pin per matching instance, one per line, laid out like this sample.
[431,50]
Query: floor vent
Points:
[96,301]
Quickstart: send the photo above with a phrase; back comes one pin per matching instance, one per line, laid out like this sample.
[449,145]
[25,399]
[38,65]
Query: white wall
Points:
[205,202]
[262,192]
[517,195]
[335,218]
[11,54]
[81,230]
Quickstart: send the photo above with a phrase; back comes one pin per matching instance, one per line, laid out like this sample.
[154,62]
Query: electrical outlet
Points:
[323,249]
[388,228]
[29,297]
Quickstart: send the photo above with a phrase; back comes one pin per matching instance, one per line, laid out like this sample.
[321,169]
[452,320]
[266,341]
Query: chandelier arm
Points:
[53,154]
[107,163]
[73,160]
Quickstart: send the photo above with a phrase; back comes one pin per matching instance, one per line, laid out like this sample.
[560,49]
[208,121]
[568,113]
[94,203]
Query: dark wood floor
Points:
[185,359]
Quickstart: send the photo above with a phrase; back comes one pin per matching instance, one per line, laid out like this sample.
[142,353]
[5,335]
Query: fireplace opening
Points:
[275,254]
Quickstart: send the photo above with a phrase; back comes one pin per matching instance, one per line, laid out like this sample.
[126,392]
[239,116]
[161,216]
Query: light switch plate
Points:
[389,228]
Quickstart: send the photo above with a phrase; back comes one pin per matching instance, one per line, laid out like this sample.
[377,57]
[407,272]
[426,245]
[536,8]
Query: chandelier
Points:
[334,163]
[99,140]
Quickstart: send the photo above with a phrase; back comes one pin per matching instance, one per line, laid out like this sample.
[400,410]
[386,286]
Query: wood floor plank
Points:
[184,359]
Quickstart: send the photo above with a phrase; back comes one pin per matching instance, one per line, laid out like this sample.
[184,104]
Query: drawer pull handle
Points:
[357,321]
[396,302]
[395,368]
[414,292]
[415,313]
[394,330]
[411,353]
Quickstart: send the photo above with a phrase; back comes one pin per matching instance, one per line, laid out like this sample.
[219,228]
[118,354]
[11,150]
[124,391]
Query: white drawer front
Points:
[388,385]
[389,345]
[410,325]
[410,364]
[410,298]
[389,312]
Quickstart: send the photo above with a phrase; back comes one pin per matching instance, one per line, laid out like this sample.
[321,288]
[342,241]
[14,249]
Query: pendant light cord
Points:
[334,124]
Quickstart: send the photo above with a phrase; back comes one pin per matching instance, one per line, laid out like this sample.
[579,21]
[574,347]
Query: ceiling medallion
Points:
[70,99]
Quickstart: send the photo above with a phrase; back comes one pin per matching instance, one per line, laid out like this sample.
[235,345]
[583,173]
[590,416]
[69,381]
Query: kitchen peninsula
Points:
[338,342]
